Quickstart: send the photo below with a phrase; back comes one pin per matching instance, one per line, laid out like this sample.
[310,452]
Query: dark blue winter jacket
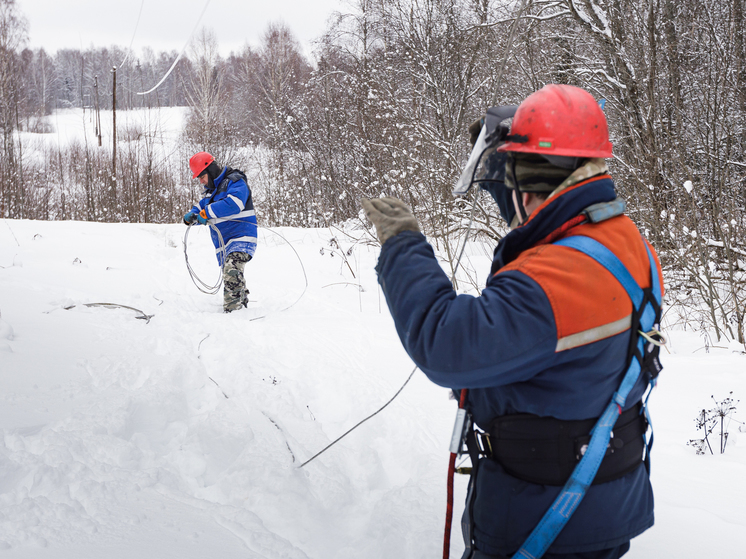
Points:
[230,208]
[547,336]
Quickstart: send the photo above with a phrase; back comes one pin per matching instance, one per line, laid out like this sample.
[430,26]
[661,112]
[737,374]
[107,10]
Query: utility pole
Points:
[98,112]
[114,115]
[82,76]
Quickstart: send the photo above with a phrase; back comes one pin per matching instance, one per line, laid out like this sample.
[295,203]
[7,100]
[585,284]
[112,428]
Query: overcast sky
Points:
[167,24]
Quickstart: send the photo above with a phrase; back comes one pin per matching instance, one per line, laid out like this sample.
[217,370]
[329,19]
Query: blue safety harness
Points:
[644,348]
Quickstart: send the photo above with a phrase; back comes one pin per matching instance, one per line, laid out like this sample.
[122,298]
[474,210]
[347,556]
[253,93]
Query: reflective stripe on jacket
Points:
[231,209]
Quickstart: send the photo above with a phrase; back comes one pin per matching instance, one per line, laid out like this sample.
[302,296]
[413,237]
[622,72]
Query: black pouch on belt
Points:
[545,450]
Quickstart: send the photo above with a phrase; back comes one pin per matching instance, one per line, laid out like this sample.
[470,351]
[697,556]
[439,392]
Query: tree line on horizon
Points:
[383,107]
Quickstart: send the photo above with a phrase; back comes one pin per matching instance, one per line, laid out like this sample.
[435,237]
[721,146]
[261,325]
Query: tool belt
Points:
[545,450]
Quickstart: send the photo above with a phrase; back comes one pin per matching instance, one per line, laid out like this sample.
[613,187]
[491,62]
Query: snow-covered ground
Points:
[76,125]
[182,436]
[160,127]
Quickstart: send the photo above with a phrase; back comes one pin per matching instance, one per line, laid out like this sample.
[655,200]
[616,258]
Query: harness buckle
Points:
[654,336]
[485,445]
[613,444]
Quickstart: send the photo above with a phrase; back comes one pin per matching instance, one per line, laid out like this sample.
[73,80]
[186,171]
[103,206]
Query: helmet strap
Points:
[521,208]
[522,215]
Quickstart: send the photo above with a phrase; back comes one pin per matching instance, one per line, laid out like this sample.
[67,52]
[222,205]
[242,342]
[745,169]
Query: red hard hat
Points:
[199,162]
[559,120]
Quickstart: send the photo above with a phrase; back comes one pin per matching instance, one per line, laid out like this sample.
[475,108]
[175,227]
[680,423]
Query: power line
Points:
[129,50]
[180,54]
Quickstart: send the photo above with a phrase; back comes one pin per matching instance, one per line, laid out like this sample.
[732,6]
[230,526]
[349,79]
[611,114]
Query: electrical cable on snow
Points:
[171,69]
[303,268]
[327,447]
[214,289]
[219,388]
[408,378]
[208,376]
[142,315]
[245,409]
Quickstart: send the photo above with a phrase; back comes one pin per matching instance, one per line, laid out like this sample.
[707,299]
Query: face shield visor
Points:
[492,134]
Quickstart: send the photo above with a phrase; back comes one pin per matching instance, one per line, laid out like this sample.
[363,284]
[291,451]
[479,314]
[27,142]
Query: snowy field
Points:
[182,435]
[161,126]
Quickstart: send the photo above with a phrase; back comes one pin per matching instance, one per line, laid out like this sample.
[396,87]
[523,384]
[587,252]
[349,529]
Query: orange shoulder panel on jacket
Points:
[589,303]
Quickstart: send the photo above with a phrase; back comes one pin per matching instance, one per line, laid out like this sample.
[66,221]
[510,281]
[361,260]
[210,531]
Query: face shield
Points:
[493,133]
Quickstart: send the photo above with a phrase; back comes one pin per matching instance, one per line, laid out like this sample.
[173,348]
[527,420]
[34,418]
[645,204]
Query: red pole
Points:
[451,472]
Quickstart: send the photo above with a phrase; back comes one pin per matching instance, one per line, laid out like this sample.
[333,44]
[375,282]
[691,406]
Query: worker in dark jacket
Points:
[228,206]
[545,346]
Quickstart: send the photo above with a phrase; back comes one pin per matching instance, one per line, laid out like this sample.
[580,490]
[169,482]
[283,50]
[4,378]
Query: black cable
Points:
[327,447]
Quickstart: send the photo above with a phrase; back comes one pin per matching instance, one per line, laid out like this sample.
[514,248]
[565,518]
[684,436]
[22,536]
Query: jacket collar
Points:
[212,187]
[553,213]
[220,177]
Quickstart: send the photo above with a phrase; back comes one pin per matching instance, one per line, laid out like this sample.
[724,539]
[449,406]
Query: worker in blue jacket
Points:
[545,346]
[227,205]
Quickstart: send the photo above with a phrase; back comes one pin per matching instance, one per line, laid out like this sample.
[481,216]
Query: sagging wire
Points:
[305,277]
[171,69]
[129,50]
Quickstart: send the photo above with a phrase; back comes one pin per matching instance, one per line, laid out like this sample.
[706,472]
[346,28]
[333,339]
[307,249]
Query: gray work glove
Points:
[390,216]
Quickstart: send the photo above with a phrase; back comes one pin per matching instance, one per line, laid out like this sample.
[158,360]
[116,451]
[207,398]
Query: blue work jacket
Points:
[230,208]
[547,336]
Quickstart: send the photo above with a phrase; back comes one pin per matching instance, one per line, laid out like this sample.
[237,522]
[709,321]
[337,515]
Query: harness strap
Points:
[595,213]
[557,516]
[545,450]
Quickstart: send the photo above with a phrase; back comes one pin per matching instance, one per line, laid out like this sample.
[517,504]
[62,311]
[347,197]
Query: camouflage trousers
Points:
[235,293]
